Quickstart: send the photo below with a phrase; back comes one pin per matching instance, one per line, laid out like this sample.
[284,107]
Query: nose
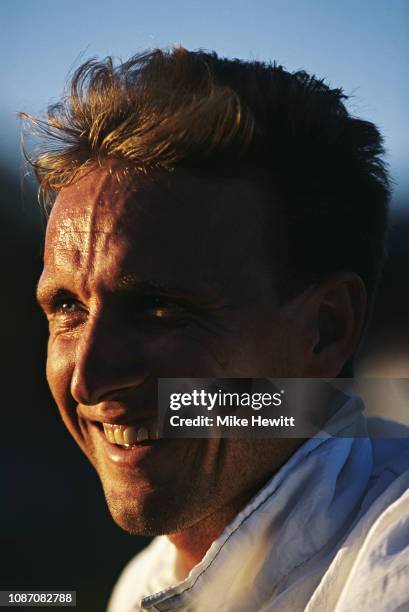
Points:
[109,362]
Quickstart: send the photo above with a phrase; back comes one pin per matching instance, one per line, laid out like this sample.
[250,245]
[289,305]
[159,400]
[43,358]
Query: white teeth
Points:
[131,435]
[109,434]
[128,435]
[119,436]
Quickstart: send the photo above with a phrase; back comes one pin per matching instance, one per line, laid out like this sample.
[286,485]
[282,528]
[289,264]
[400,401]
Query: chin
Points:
[142,511]
[133,521]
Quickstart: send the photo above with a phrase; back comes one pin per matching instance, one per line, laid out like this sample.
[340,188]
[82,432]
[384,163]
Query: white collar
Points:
[302,512]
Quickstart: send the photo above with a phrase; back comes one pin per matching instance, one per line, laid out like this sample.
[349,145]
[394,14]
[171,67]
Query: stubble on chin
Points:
[151,513]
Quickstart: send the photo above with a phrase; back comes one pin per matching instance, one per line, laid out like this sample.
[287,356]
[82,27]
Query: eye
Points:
[68,310]
[65,313]
[67,307]
[163,309]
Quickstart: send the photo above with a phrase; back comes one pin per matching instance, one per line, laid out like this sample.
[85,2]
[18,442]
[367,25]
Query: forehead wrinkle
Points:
[97,217]
[91,236]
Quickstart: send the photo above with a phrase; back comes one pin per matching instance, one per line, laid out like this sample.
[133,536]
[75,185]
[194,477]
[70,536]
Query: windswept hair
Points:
[164,110]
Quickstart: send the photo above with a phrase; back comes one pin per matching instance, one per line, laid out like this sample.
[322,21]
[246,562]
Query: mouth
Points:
[130,436]
[130,446]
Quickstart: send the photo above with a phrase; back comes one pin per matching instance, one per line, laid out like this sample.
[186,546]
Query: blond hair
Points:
[154,111]
[162,110]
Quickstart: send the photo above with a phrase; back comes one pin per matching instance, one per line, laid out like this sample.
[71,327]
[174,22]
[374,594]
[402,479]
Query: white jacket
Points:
[329,533]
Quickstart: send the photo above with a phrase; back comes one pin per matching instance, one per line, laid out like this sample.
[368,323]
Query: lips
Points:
[129,435]
[126,449]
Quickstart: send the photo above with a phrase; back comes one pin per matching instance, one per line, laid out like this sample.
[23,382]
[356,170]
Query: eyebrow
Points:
[47,293]
[130,283]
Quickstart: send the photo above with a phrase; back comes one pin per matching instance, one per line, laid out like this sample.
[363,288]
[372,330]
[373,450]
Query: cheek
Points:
[59,369]
[187,353]
[236,349]
[196,353]
[265,346]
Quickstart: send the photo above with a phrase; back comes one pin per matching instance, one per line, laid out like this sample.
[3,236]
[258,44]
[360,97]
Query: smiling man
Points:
[217,218]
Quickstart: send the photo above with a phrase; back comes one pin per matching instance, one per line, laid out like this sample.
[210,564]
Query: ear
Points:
[333,316]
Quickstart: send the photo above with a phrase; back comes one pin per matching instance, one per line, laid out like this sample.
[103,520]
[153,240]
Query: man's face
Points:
[162,278]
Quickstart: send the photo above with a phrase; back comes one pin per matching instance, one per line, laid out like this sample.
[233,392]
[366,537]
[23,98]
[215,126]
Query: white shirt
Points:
[328,533]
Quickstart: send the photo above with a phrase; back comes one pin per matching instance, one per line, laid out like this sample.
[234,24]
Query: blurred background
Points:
[55,530]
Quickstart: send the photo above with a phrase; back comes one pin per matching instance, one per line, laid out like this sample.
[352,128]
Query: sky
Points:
[360,45]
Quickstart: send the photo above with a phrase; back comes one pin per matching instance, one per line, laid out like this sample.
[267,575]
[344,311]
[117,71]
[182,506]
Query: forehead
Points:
[166,226]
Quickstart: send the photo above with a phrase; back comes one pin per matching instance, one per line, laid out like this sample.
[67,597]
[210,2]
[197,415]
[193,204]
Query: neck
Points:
[193,543]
